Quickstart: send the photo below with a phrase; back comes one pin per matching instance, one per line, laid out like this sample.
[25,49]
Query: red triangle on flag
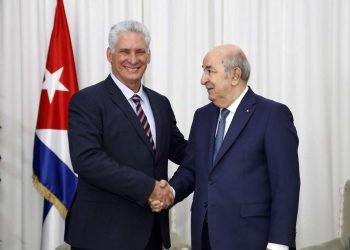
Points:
[60,80]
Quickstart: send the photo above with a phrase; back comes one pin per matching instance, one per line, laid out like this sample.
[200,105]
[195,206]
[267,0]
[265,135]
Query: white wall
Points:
[299,55]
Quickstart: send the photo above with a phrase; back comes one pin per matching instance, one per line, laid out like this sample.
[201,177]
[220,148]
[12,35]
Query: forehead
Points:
[131,39]
[212,60]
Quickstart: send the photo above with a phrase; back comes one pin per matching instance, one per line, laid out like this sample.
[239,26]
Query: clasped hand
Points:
[162,196]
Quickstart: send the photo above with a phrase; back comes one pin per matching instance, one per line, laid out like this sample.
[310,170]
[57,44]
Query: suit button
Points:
[205,204]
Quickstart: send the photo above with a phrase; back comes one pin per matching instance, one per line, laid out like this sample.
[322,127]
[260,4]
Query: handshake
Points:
[162,196]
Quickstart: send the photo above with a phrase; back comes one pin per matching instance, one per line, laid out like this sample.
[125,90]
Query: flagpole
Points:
[53,175]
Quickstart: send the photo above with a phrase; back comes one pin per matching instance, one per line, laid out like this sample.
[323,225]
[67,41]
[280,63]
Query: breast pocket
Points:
[244,148]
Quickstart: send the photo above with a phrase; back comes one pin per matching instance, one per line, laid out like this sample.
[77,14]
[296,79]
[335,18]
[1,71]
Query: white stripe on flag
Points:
[57,141]
[53,230]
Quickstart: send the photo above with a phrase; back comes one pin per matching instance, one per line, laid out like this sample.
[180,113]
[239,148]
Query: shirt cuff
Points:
[172,189]
[273,246]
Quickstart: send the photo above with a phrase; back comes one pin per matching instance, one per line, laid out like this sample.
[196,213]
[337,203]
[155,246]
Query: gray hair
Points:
[237,61]
[127,26]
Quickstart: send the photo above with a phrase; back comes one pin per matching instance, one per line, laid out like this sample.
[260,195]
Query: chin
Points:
[211,98]
[134,79]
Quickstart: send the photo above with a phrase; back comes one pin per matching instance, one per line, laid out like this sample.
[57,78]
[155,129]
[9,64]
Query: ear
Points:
[236,75]
[149,56]
[109,55]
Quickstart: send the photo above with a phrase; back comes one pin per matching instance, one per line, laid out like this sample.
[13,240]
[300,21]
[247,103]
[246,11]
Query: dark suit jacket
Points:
[117,168]
[251,192]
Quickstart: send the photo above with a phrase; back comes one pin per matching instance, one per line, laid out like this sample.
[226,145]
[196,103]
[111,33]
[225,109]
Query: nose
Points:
[204,78]
[132,58]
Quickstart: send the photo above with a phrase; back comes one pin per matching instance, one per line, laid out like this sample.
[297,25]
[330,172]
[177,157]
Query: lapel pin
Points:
[247,110]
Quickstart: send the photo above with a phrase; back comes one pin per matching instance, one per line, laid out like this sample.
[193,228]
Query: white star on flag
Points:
[52,83]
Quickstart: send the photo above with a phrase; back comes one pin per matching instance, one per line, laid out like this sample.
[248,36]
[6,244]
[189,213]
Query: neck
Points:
[135,87]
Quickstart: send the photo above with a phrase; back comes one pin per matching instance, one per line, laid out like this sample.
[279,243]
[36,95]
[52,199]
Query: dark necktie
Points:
[220,133]
[143,120]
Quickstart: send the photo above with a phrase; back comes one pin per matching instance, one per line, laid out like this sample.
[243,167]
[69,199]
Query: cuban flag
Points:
[53,174]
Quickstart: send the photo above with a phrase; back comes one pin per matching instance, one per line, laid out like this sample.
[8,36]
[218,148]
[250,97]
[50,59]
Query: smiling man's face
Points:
[129,59]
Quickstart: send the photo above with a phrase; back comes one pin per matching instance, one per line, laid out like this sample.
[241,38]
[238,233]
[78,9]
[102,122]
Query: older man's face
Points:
[216,80]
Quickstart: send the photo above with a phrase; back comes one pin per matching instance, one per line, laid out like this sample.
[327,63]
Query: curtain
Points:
[299,56]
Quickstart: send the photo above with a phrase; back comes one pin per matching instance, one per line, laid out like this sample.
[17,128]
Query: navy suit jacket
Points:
[250,193]
[117,168]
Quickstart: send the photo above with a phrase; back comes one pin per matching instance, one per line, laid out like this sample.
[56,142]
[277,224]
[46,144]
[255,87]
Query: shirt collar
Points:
[128,93]
[233,107]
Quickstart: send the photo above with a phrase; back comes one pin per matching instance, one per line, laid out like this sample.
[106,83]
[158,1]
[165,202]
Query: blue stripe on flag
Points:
[54,174]
[47,207]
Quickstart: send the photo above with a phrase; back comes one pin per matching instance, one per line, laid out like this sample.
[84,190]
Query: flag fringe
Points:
[48,195]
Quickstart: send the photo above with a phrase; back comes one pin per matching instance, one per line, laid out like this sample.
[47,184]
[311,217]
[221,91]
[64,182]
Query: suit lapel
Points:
[243,113]
[119,99]
[213,117]
[157,114]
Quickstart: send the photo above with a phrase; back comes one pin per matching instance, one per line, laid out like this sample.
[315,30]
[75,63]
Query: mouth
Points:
[209,89]
[132,69]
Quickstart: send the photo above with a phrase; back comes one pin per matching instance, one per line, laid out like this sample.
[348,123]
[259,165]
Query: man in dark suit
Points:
[241,162]
[121,135]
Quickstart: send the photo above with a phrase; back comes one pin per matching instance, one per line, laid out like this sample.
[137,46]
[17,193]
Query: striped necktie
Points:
[143,120]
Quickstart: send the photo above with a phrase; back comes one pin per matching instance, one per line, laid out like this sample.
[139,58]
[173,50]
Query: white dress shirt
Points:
[145,104]
[232,108]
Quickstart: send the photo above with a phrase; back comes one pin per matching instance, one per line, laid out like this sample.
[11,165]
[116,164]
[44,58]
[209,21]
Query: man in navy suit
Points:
[121,135]
[246,184]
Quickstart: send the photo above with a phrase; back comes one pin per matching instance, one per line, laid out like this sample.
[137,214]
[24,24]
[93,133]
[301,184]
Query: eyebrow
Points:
[207,67]
[132,49]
